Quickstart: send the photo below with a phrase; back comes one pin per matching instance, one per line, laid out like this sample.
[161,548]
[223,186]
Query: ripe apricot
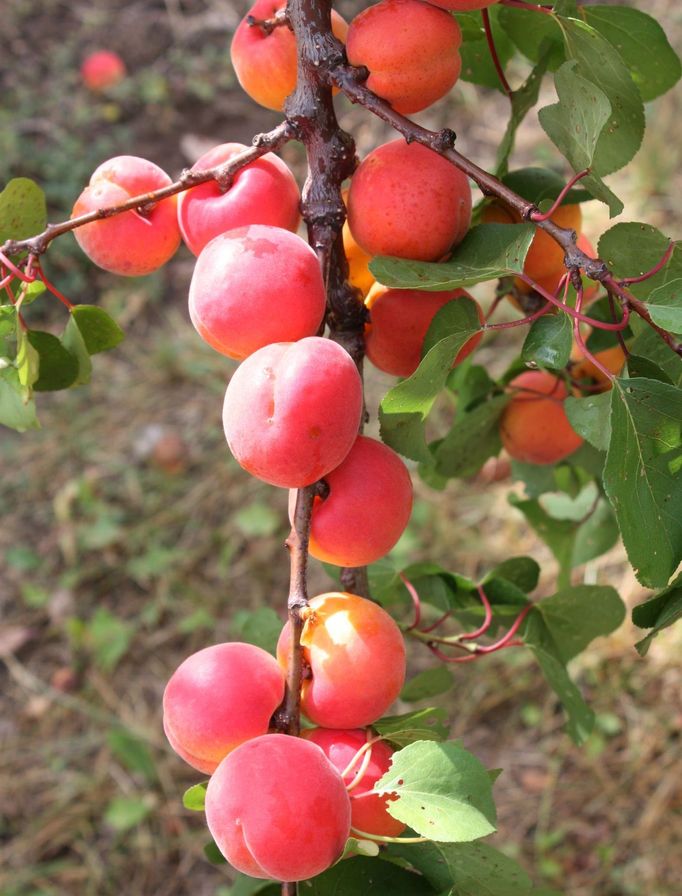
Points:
[411,50]
[368,812]
[219,697]
[367,508]
[264,192]
[292,411]
[399,322]
[534,427]
[265,64]
[132,243]
[102,69]
[359,274]
[408,201]
[613,359]
[545,257]
[356,655]
[551,284]
[278,809]
[253,286]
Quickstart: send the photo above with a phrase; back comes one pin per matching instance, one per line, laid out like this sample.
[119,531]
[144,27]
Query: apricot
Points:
[264,192]
[132,243]
[356,655]
[400,319]
[359,274]
[278,809]
[411,50]
[613,359]
[367,508]
[266,64]
[102,69]
[368,812]
[292,411]
[219,697]
[534,427]
[253,286]
[551,284]
[545,258]
[408,201]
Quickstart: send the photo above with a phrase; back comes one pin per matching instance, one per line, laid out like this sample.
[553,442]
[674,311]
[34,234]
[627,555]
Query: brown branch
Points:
[280,19]
[223,175]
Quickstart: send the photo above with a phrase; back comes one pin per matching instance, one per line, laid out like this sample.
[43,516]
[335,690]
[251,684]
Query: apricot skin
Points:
[411,50]
[131,244]
[219,697]
[613,359]
[535,429]
[356,655]
[400,319]
[265,64]
[340,746]
[264,192]
[367,508]
[102,69]
[253,286]
[278,809]
[292,411]
[407,201]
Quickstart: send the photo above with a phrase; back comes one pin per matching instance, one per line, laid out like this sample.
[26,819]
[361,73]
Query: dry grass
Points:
[97,518]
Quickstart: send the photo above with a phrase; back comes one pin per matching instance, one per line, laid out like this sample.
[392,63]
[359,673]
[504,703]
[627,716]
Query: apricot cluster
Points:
[218,707]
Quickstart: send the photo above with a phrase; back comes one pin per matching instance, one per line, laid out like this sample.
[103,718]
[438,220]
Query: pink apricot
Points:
[266,63]
[253,286]
[406,200]
[411,50]
[399,322]
[292,411]
[367,508]
[135,242]
[368,811]
[219,697]
[278,809]
[264,192]
[356,655]
[102,69]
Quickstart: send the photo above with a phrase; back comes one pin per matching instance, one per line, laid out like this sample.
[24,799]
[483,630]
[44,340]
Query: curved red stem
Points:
[545,216]
[412,591]
[493,52]
[471,636]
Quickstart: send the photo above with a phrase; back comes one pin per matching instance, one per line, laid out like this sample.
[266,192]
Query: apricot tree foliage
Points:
[603,327]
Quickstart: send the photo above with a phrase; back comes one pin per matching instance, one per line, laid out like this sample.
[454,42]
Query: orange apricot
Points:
[264,192]
[411,49]
[356,655]
[366,510]
[534,427]
[613,359]
[399,322]
[408,201]
[278,809]
[265,64]
[135,242]
[102,69]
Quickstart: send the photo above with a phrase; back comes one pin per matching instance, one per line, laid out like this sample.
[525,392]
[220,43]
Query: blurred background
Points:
[130,538]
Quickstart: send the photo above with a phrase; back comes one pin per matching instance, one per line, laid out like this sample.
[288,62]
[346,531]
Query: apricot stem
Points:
[626,281]
[363,835]
[538,217]
[493,52]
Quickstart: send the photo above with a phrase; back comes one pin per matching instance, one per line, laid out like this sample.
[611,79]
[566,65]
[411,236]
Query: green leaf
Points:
[361,875]
[249,886]
[524,572]
[665,306]
[558,535]
[469,869]
[575,124]
[429,683]
[643,475]
[405,407]
[454,456]
[132,752]
[542,185]
[590,417]
[194,798]
[355,847]
[487,252]
[598,62]
[477,64]
[442,792]
[641,44]
[27,361]
[73,341]
[534,34]
[549,341]
[261,627]
[23,212]
[420,725]
[99,331]
[522,101]
[124,813]
[657,613]
[57,367]
[213,854]
[17,410]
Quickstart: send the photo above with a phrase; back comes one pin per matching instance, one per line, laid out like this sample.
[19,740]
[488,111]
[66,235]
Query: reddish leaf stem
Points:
[580,342]
[493,52]
[471,636]
[539,217]
[52,288]
[626,281]
[412,591]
